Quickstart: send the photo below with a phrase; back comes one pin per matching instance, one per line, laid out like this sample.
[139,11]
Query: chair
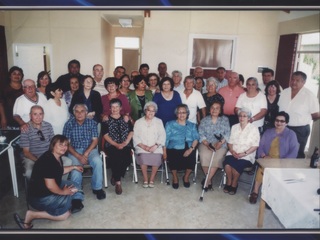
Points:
[196,167]
[248,171]
[161,169]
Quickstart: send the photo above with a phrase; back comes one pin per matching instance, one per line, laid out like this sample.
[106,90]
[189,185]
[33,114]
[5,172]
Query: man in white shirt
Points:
[98,72]
[193,99]
[23,104]
[302,106]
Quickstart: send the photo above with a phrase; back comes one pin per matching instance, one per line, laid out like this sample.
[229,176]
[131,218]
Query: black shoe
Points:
[207,188]
[76,205]
[185,184]
[100,194]
[175,185]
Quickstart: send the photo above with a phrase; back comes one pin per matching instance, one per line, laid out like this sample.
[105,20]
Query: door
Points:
[32,58]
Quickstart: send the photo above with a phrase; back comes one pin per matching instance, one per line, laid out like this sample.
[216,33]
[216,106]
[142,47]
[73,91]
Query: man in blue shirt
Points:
[82,133]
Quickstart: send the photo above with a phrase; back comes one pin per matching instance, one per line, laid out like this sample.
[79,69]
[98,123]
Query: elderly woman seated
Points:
[277,142]
[117,134]
[243,143]
[214,131]
[148,139]
[181,140]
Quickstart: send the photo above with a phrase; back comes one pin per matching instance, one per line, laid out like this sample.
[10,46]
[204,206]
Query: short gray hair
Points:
[212,80]
[245,110]
[79,105]
[177,71]
[151,104]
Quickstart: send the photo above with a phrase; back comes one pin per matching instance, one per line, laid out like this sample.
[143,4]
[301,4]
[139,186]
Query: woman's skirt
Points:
[206,154]
[238,164]
[177,161]
[149,159]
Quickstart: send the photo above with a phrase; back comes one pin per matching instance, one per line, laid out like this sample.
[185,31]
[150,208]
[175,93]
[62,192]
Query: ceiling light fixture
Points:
[125,22]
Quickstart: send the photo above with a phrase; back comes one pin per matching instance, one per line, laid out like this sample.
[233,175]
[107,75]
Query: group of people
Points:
[159,116]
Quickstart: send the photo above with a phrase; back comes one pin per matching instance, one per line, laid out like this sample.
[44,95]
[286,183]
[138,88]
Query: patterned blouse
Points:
[208,129]
[117,129]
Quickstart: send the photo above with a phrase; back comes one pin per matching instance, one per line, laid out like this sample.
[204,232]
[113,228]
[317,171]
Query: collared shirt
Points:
[243,139]
[179,89]
[221,84]
[99,87]
[149,133]
[230,98]
[80,136]
[208,129]
[36,142]
[300,107]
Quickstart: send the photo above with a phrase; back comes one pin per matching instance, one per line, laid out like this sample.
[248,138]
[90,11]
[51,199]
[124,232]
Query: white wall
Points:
[80,35]
[72,34]
[166,37]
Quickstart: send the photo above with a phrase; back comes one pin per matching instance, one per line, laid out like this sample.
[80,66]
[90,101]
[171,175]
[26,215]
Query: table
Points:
[11,137]
[292,201]
[284,162]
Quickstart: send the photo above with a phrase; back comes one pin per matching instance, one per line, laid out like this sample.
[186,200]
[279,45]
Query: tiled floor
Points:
[161,208]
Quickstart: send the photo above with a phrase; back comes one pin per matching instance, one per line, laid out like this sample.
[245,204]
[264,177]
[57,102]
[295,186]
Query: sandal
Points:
[233,190]
[226,188]
[21,222]
[253,198]
[151,185]
[145,184]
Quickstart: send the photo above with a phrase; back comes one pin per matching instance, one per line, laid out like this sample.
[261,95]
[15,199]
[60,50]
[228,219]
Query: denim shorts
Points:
[54,204]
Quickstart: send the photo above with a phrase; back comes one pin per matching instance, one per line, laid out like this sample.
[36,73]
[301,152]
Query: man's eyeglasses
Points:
[281,121]
[41,135]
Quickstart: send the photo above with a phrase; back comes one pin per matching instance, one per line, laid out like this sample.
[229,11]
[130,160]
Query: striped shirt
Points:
[36,140]
[80,136]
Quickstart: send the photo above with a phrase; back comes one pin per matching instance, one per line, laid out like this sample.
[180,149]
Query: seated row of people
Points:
[176,143]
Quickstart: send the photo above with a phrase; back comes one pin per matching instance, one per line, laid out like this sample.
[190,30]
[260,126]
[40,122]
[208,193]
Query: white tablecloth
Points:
[293,202]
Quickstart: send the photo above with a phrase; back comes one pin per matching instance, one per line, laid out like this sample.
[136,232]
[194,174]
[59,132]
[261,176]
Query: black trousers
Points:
[302,133]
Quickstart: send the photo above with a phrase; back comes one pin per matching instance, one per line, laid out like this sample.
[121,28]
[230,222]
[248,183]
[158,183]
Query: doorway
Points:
[308,61]
[127,53]
[32,58]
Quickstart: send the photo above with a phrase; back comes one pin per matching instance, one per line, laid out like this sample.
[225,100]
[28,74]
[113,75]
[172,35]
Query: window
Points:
[211,51]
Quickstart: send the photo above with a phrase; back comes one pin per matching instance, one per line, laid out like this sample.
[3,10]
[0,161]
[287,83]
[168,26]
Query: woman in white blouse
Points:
[243,143]
[56,108]
[255,101]
[148,139]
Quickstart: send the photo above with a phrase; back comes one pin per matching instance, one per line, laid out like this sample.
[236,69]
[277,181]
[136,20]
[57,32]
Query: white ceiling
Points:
[112,17]
[137,17]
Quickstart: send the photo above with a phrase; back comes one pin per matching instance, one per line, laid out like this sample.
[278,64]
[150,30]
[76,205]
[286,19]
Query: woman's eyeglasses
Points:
[280,121]
[41,135]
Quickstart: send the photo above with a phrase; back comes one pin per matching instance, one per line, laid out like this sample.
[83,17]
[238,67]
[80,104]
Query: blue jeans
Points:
[95,162]
[54,204]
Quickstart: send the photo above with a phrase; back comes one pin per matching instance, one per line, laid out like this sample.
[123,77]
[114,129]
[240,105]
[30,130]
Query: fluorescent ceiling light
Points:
[125,22]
